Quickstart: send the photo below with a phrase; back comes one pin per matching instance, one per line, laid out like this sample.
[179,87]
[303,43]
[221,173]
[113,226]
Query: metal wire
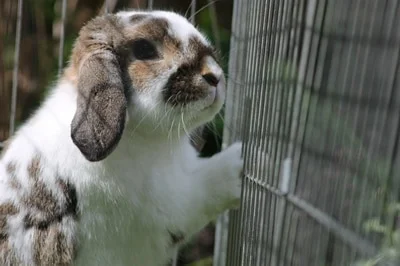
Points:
[62,35]
[193,5]
[150,4]
[314,95]
[16,68]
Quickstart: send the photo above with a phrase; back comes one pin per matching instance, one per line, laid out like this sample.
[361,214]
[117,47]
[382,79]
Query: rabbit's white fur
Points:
[151,188]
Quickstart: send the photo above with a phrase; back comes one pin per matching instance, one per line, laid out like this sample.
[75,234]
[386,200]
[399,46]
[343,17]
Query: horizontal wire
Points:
[339,230]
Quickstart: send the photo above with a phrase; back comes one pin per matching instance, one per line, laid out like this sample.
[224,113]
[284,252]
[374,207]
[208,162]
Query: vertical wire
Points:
[307,75]
[352,49]
[214,24]
[16,69]
[362,59]
[313,83]
[284,128]
[326,238]
[315,72]
[261,137]
[300,112]
[256,85]
[305,63]
[150,4]
[230,116]
[240,100]
[226,225]
[193,11]
[315,87]
[275,135]
[354,118]
[243,240]
[322,235]
[249,156]
[274,91]
[382,103]
[390,181]
[175,258]
[62,36]
[297,18]
[274,123]
[361,93]
[296,233]
[235,57]
[276,82]
[267,119]
[342,12]
[106,7]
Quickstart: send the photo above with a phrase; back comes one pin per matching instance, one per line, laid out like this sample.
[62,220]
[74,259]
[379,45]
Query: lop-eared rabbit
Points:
[104,173]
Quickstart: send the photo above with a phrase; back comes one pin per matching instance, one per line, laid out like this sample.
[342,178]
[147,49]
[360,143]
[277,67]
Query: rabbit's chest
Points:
[128,229]
[117,236]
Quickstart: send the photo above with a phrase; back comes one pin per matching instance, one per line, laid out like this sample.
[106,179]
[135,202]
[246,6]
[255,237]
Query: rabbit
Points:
[103,173]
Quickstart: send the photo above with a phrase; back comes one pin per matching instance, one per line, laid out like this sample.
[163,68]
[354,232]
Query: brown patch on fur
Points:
[200,50]
[138,18]
[8,209]
[143,71]
[71,199]
[101,33]
[181,87]
[3,223]
[51,247]
[46,213]
[40,197]
[14,184]
[156,31]
[45,207]
[11,168]
[6,254]
[12,181]
[34,168]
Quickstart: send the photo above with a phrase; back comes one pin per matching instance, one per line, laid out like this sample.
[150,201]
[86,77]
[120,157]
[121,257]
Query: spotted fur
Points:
[7,256]
[104,173]
[44,213]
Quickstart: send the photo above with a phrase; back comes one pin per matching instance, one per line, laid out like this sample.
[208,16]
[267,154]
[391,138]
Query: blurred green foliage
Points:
[389,253]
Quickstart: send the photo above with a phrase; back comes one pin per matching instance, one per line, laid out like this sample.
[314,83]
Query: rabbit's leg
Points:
[217,186]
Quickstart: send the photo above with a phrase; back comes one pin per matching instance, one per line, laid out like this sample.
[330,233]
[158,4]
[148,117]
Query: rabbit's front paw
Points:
[231,164]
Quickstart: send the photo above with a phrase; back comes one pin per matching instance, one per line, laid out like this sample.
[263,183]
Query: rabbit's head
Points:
[153,67]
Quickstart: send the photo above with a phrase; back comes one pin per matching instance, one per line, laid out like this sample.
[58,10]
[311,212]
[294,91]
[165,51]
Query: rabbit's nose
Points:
[211,71]
[211,79]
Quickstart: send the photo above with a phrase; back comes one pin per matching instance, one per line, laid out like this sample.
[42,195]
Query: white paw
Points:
[232,171]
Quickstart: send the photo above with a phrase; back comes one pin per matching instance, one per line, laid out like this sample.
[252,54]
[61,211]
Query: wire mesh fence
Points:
[314,94]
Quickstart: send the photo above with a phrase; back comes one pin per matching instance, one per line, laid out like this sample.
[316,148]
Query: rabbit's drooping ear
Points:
[101,108]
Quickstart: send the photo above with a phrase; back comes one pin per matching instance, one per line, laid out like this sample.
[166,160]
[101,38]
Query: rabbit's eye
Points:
[144,50]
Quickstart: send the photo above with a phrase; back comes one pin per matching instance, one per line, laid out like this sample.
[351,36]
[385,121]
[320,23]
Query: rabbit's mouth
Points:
[214,99]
